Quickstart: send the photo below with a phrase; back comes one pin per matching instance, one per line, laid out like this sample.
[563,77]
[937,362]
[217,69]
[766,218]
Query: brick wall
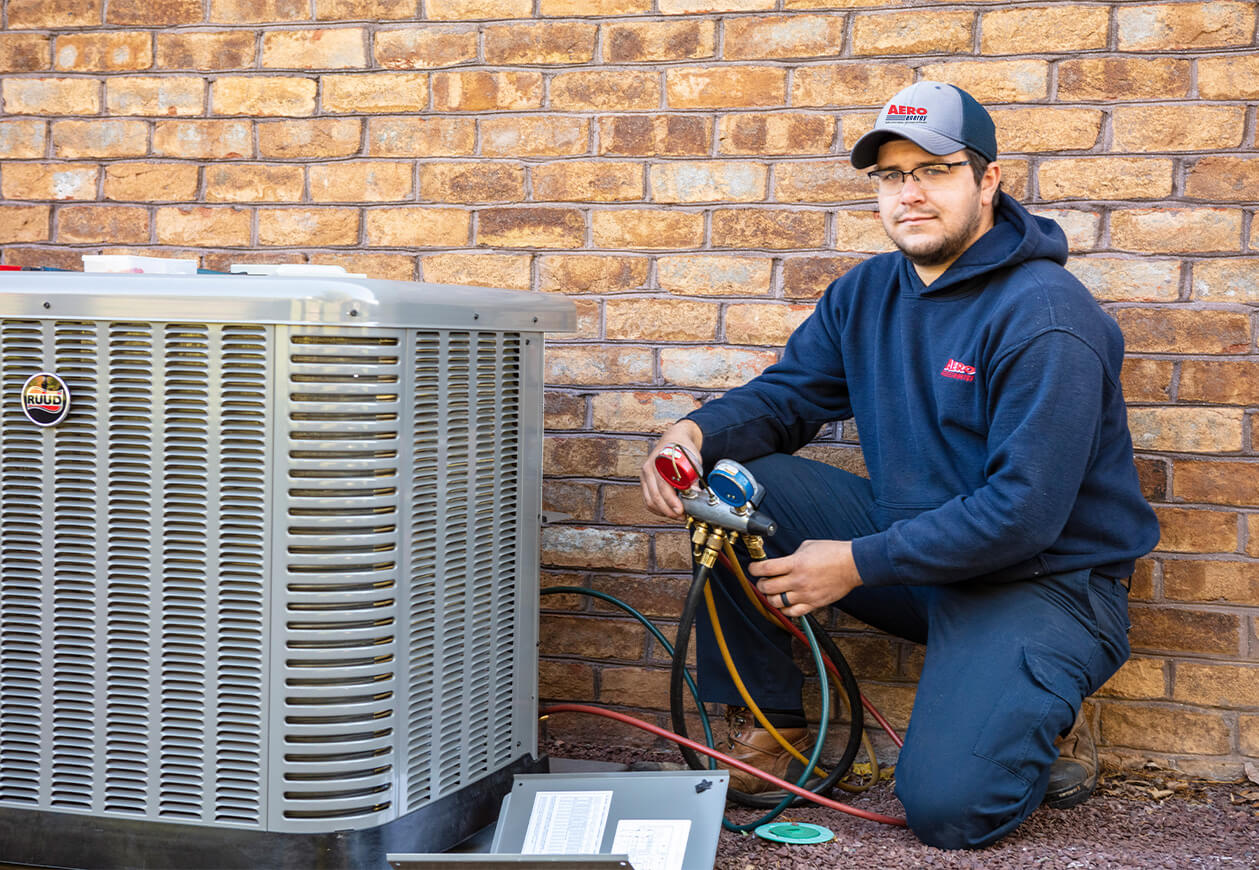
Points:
[677,168]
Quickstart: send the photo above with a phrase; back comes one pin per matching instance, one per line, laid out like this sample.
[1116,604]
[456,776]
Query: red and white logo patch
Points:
[960,371]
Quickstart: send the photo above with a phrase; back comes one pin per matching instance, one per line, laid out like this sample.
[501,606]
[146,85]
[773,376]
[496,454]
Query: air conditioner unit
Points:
[268,589]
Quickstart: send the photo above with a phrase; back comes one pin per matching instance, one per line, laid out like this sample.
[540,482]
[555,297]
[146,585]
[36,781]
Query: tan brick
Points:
[708,181]
[915,32]
[1122,79]
[1175,330]
[1164,730]
[540,42]
[97,52]
[23,139]
[362,181]
[860,231]
[485,91]
[704,275]
[51,96]
[1081,226]
[1252,535]
[1222,179]
[151,182]
[74,140]
[206,51]
[452,10]
[1220,382]
[858,83]
[594,90]
[472,182]
[655,135]
[509,271]
[204,226]
[587,181]
[783,36]
[768,324]
[1169,629]
[584,273]
[263,95]
[1248,735]
[1023,31]
[53,14]
[688,7]
[1167,230]
[151,13]
[635,687]
[260,11]
[618,411]
[154,95]
[1197,531]
[98,224]
[416,227]
[25,223]
[426,47]
[531,227]
[569,501]
[720,87]
[1186,429]
[854,125]
[655,41]
[1041,128]
[660,320]
[251,182]
[565,681]
[204,140]
[387,267]
[534,136]
[647,228]
[1198,580]
[1016,178]
[329,48]
[1095,178]
[1229,77]
[1142,581]
[587,365]
[995,81]
[1140,679]
[1147,380]
[310,139]
[365,10]
[420,137]
[1210,685]
[777,229]
[1115,279]
[808,277]
[382,92]
[712,368]
[588,638]
[57,181]
[1172,26]
[793,133]
[1214,482]
[820,181]
[1178,127]
[308,227]
[569,8]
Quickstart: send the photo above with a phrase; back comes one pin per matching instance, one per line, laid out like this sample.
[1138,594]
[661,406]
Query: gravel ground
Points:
[1148,819]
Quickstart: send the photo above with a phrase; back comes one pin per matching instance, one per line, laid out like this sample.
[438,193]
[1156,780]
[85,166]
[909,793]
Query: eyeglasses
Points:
[929,177]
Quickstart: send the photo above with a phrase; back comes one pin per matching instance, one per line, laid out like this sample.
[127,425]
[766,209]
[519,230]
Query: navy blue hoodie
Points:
[991,417]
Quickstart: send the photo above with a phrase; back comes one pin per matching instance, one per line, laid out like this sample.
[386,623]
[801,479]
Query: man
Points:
[1002,516]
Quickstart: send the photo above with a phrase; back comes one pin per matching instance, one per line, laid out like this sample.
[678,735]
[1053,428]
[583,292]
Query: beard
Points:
[942,249]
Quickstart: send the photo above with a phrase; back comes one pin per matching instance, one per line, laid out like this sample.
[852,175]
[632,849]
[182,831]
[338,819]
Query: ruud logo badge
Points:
[45,399]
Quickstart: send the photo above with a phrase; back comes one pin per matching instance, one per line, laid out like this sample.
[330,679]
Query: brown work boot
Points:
[756,746]
[1073,776]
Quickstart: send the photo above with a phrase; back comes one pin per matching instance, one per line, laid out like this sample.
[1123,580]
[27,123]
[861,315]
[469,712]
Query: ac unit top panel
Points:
[324,301]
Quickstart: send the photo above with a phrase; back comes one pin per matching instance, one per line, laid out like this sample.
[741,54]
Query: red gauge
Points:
[676,466]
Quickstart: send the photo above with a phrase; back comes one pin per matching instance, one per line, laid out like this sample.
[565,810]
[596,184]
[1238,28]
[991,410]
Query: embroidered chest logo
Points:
[960,371]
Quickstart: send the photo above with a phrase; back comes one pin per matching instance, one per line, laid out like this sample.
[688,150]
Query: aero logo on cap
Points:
[906,113]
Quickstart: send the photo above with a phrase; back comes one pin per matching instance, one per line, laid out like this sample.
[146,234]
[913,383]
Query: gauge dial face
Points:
[676,467]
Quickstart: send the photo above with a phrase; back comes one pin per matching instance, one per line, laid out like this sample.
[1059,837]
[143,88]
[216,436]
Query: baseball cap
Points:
[937,117]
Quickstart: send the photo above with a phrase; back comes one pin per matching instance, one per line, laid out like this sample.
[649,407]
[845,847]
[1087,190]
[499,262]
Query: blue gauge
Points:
[732,483]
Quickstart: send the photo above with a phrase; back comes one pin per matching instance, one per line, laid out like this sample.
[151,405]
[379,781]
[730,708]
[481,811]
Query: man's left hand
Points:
[818,573]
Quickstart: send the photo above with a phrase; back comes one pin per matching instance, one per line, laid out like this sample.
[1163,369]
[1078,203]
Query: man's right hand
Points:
[659,497]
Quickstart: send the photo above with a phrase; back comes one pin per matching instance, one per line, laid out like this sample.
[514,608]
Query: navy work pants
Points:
[1006,667]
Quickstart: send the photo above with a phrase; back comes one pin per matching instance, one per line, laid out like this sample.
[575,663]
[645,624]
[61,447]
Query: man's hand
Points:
[658,495]
[818,573]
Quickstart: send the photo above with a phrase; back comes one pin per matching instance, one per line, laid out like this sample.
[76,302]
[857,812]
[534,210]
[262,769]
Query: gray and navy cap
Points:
[937,117]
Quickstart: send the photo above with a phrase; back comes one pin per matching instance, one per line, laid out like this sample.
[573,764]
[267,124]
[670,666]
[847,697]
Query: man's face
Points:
[933,227]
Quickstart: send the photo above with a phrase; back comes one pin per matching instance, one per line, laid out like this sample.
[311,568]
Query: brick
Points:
[808,277]
[656,41]
[820,181]
[331,48]
[97,224]
[587,181]
[1197,531]
[647,228]
[777,229]
[452,10]
[860,231]
[712,368]
[308,227]
[1023,31]
[1082,227]
[540,42]
[206,51]
[74,140]
[1168,230]
[362,181]
[720,87]
[387,267]
[25,223]
[365,10]
[1252,535]
[565,681]
[204,226]
[89,52]
[23,139]
[258,11]
[854,125]
[584,273]
[995,81]
[251,182]
[1123,79]
[1142,581]
[915,33]
[1211,685]
[153,95]
[1162,628]
[1232,382]
[310,138]
[1168,330]
[1040,128]
[1147,380]
[51,96]
[416,227]
[849,84]
[634,687]
[485,91]
[469,182]
[583,636]
[151,182]
[1152,477]
[531,227]
[569,501]
[1229,77]
[421,137]
[594,548]
[1178,127]
[1222,179]
[509,271]
[571,8]
[1116,279]
[204,140]
[1186,429]
[263,95]
[1140,679]
[783,36]
[767,325]
[426,47]
[535,136]
[688,7]
[702,275]
[655,135]
[1173,26]
[54,14]
[1248,735]
[1227,483]
[660,320]
[57,181]
[594,457]
[618,411]
[709,181]
[595,90]
[587,365]
[1105,178]
[381,92]
[1164,730]
[760,134]
[154,13]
